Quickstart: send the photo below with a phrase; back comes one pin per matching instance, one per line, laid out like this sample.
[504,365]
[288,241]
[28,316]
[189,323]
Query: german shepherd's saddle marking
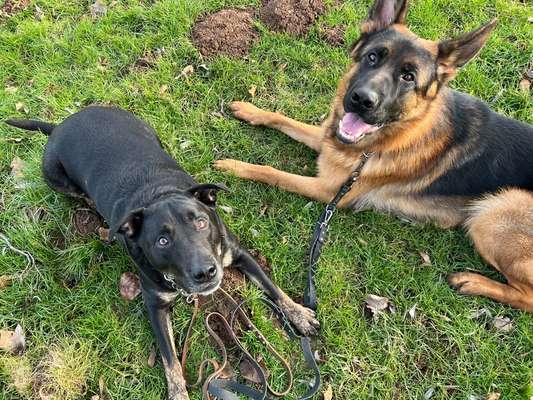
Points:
[439,155]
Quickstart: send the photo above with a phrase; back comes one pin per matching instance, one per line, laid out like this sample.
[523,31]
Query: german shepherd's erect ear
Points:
[383,14]
[454,53]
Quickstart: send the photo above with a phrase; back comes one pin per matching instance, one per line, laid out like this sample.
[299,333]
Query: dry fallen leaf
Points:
[252,90]
[530,19]
[5,281]
[525,85]
[429,393]
[226,209]
[185,144]
[493,396]
[187,71]
[476,314]
[17,168]
[20,106]
[39,14]
[151,357]
[95,397]
[503,324]
[101,385]
[163,89]
[425,258]
[103,234]
[249,372]
[328,393]
[98,9]
[13,341]
[130,285]
[412,312]
[11,89]
[376,304]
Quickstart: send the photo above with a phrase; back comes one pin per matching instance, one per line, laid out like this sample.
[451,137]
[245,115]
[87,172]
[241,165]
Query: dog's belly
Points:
[445,211]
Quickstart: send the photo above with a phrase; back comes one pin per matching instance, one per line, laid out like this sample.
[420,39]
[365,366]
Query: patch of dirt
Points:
[292,16]
[334,35]
[262,261]
[228,32]
[11,7]
[87,222]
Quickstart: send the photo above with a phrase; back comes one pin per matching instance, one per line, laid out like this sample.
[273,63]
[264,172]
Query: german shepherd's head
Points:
[395,76]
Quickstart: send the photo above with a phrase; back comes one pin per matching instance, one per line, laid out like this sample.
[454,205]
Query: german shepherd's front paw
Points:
[250,113]
[229,165]
[303,318]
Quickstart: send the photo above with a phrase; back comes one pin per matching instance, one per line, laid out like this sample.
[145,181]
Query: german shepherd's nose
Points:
[205,274]
[364,99]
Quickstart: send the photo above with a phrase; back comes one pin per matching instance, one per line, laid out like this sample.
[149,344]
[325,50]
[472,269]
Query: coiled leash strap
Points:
[226,389]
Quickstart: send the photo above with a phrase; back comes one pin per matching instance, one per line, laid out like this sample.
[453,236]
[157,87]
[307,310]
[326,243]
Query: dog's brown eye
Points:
[372,58]
[408,77]
[162,241]
[200,223]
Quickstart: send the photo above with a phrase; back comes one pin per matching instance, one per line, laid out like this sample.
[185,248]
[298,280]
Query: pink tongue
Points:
[352,125]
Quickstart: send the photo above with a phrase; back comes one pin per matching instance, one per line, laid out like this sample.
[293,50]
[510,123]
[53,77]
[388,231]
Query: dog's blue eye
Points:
[372,58]
[163,241]
[408,77]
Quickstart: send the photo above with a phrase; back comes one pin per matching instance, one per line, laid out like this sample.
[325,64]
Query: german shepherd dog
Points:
[437,154]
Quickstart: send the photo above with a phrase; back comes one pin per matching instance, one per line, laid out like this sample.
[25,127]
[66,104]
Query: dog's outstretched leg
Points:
[310,135]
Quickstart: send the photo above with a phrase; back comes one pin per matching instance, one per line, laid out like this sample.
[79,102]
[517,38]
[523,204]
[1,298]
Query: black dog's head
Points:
[395,75]
[181,237]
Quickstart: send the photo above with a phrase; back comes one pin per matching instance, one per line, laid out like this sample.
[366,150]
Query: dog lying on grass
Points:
[164,218]
[437,154]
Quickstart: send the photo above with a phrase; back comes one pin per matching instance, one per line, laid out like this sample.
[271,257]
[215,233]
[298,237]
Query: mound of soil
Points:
[11,7]
[227,32]
[334,35]
[87,222]
[292,16]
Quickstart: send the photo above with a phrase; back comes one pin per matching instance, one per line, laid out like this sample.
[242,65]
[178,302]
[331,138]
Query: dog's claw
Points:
[464,282]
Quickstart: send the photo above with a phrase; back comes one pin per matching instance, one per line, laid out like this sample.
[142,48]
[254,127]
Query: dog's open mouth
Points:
[352,128]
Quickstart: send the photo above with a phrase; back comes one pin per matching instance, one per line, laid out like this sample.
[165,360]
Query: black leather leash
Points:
[321,228]
[226,389]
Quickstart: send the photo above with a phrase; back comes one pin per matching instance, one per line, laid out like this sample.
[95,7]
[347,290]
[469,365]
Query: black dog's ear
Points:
[383,14]
[207,192]
[131,224]
[455,53]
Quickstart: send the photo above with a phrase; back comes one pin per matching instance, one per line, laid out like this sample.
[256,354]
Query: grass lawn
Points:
[79,331]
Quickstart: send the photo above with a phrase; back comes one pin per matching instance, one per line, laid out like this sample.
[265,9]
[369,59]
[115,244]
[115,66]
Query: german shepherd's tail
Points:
[32,125]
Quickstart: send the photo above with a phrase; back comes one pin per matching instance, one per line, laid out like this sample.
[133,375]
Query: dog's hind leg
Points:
[310,135]
[57,179]
[501,227]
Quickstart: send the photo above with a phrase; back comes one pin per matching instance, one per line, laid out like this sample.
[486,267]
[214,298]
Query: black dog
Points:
[163,217]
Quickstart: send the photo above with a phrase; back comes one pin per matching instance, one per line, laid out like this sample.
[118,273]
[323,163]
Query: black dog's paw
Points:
[303,318]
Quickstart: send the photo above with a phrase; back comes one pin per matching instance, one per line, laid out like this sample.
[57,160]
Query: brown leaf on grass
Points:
[412,312]
[425,258]
[493,396]
[101,385]
[530,19]
[502,324]
[187,71]
[38,13]
[151,357]
[252,90]
[11,89]
[95,397]
[17,168]
[13,341]
[130,285]
[21,106]
[98,9]
[249,372]
[525,85]
[5,281]
[103,234]
[327,394]
[163,89]
[377,304]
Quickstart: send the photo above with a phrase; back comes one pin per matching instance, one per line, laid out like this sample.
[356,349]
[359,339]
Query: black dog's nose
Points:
[366,98]
[205,274]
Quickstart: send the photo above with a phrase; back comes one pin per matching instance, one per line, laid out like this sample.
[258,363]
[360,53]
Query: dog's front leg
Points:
[159,315]
[302,317]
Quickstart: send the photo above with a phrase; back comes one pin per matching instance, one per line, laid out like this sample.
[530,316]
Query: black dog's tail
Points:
[32,125]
